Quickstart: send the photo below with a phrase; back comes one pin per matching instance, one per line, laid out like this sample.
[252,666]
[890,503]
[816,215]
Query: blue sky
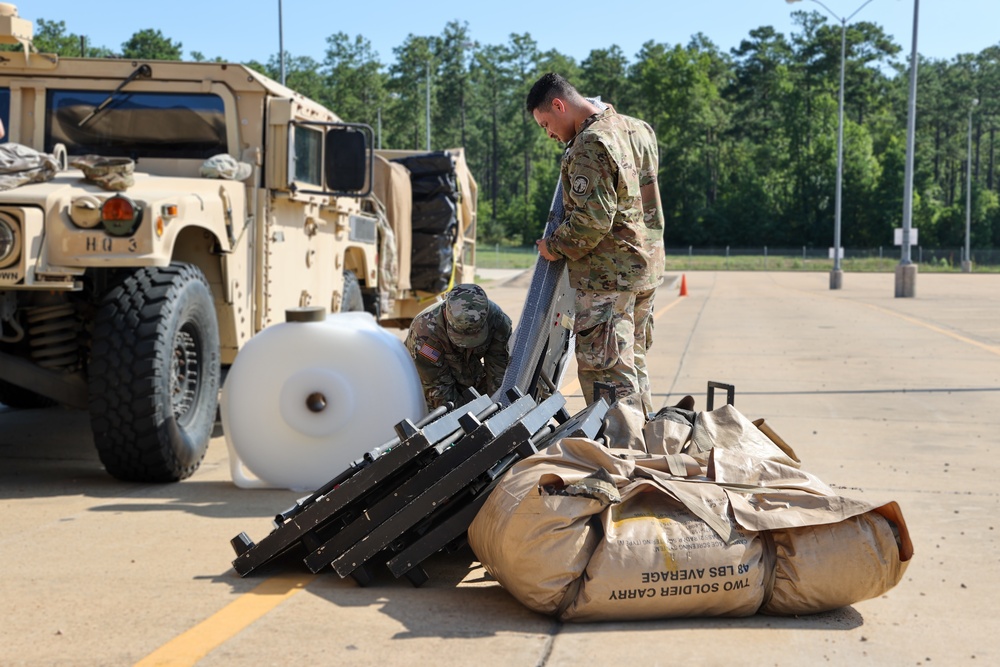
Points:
[248,29]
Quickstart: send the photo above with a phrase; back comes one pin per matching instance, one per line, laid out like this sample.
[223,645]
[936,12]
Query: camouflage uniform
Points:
[612,239]
[458,343]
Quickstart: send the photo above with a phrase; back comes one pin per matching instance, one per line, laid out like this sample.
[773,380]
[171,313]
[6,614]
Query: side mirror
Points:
[346,159]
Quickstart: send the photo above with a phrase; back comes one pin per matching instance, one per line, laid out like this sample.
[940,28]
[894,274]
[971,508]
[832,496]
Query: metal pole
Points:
[380,128]
[911,130]
[281,44]
[428,106]
[967,260]
[837,275]
[906,272]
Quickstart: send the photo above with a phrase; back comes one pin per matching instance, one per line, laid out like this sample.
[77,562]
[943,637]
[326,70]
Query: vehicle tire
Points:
[24,399]
[370,299]
[154,374]
[352,300]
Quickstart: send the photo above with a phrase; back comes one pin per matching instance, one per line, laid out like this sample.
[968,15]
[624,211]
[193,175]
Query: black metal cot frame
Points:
[360,479]
[418,493]
[450,529]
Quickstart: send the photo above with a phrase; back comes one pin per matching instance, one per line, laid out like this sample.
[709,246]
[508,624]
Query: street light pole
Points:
[906,271]
[967,261]
[428,106]
[837,274]
[281,44]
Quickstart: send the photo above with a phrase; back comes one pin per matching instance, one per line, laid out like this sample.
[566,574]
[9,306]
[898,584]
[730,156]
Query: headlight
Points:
[10,243]
[120,215]
[85,211]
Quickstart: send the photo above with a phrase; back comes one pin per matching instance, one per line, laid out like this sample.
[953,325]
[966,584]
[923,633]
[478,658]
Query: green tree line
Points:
[747,138]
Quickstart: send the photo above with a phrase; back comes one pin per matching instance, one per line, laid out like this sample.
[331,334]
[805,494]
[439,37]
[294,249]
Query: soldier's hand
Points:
[543,250]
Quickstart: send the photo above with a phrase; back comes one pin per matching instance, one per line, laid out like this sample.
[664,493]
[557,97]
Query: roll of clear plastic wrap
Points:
[304,399]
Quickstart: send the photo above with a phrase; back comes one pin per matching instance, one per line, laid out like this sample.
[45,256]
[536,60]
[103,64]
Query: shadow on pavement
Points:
[210,499]
[460,600]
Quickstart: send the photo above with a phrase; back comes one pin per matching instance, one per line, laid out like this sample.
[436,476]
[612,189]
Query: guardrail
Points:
[764,258]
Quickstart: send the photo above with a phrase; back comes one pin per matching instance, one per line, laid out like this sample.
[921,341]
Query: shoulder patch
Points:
[429,352]
[580,184]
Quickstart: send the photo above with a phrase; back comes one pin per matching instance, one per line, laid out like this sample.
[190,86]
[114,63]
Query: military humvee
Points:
[132,302]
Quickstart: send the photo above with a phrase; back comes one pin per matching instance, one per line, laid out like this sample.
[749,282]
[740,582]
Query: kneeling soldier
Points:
[458,343]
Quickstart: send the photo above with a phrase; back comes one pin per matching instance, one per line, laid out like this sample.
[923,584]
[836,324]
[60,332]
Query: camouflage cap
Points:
[225,166]
[111,173]
[465,310]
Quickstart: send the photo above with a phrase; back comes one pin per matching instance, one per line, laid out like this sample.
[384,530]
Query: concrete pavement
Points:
[884,398]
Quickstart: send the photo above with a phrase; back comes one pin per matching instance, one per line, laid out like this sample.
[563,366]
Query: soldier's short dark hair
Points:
[547,88]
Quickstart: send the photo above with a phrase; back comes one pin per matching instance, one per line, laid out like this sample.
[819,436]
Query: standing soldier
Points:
[458,343]
[611,236]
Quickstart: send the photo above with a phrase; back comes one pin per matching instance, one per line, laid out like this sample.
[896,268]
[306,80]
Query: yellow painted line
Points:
[994,349]
[190,647]
[573,385]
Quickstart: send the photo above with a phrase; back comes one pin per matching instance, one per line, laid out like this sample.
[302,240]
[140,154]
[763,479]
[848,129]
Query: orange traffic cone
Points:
[684,285]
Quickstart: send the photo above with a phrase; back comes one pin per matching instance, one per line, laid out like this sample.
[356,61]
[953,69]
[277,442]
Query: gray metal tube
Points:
[911,131]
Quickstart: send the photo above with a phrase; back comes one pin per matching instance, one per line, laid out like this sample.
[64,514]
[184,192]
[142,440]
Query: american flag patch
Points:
[429,352]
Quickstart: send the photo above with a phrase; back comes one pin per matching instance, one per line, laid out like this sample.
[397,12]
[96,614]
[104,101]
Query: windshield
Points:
[308,155]
[5,111]
[136,125]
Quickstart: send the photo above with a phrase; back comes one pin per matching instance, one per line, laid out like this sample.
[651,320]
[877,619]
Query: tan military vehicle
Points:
[154,216]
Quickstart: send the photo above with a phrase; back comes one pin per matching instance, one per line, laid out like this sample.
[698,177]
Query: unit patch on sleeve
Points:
[429,352]
[580,185]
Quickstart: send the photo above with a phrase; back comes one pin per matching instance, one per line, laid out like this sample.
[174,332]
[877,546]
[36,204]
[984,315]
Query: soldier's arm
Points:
[591,192]
[438,384]
[436,380]
[649,187]
[652,209]
[437,395]
[498,355]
